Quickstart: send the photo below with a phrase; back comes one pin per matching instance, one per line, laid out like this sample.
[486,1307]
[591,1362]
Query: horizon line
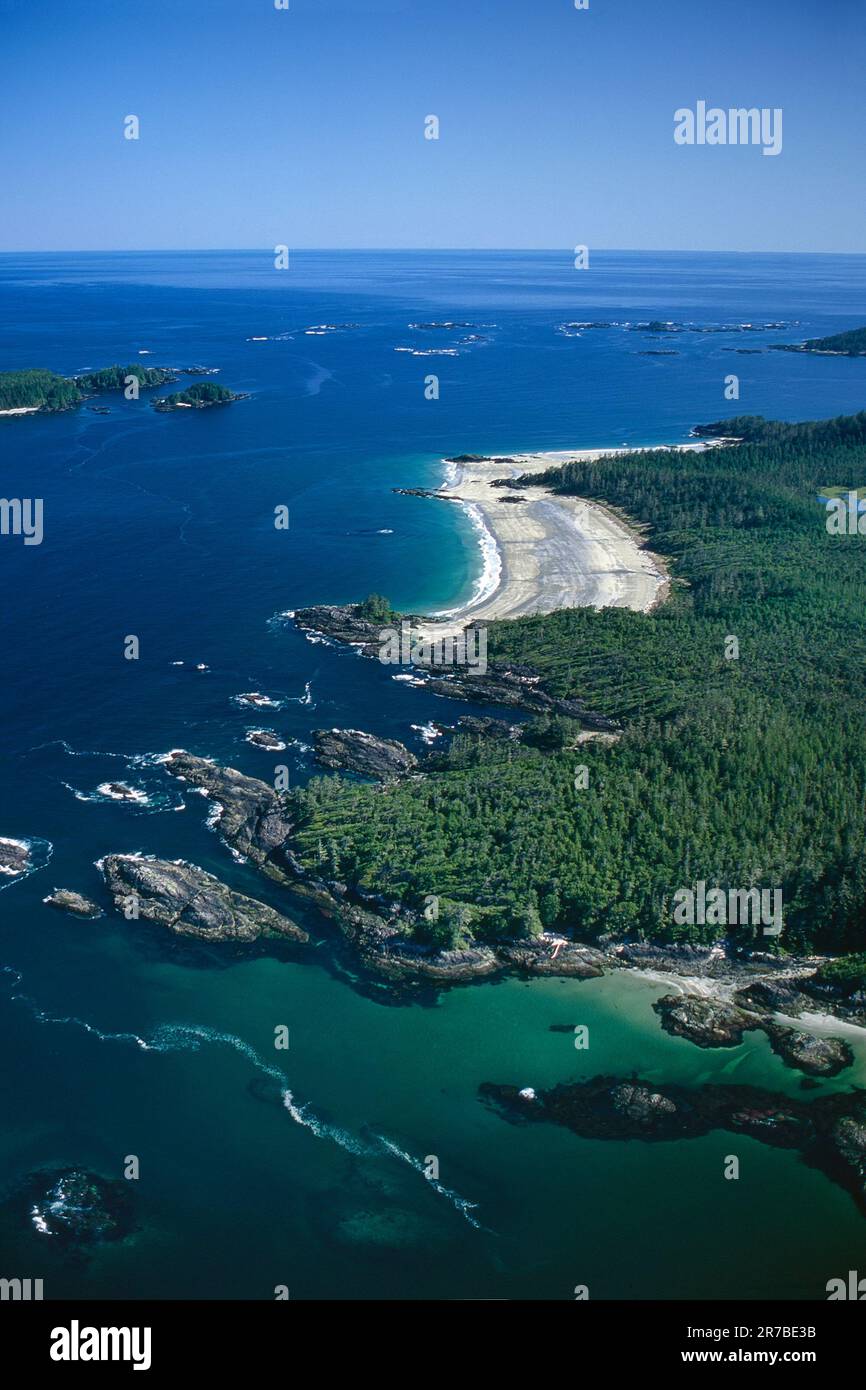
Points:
[409,250]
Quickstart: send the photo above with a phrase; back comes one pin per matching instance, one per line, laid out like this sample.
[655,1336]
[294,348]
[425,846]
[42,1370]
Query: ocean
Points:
[120,1040]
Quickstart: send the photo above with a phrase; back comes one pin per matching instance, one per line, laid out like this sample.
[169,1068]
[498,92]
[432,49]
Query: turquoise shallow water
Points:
[161,526]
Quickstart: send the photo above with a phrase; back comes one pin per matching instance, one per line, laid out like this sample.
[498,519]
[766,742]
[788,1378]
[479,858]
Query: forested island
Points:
[39,390]
[198,397]
[850,344]
[736,763]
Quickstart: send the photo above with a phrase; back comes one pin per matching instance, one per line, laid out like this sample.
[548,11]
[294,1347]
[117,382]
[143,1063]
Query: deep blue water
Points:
[162,526]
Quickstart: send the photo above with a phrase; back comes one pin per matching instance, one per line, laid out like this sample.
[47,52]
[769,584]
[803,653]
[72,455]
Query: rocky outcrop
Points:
[829,1132]
[75,1208]
[201,396]
[813,1055]
[251,819]
[713,961]
[513,686]
[266,739]
[482,727]
[546,957]
[14,857]
[704,1021]
[754,981]
[65,900]
[356,751]
[382,934]
[781,995]
[516,688]
[408,964]
[427,492]
[640,1106]
[800,989]
[119,791]
[342,623]
[191,902]
[848,1142]
[710,1022]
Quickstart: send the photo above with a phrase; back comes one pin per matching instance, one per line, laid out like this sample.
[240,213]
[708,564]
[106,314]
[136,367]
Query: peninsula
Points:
[704,721]
[557,844]
[849,344]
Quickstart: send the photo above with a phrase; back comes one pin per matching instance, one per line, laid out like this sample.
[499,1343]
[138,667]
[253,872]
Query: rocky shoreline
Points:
[722,992]
[250,816]
[511,686]
[718,992]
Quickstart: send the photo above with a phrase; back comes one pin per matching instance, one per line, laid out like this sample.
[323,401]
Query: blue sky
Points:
[306,126]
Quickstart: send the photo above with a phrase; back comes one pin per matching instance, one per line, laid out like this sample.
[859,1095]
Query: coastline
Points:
[542,552]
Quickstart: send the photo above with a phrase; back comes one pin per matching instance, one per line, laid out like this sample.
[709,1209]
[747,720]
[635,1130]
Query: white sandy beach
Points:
[544,552]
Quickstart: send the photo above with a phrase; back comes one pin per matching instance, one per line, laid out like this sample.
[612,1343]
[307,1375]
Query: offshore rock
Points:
[812,1055]
[65,900]
[14,857]
[191,902]
[704,1021]
[76,1209]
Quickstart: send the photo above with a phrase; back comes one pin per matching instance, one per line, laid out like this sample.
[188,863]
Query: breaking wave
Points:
[192,1037]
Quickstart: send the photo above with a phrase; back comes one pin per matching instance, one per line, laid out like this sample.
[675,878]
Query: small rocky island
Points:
[75,1208]
[574,327]
[191,902]
[66,900]
[266,739]
[15,857]
[200,396]
[121,791]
